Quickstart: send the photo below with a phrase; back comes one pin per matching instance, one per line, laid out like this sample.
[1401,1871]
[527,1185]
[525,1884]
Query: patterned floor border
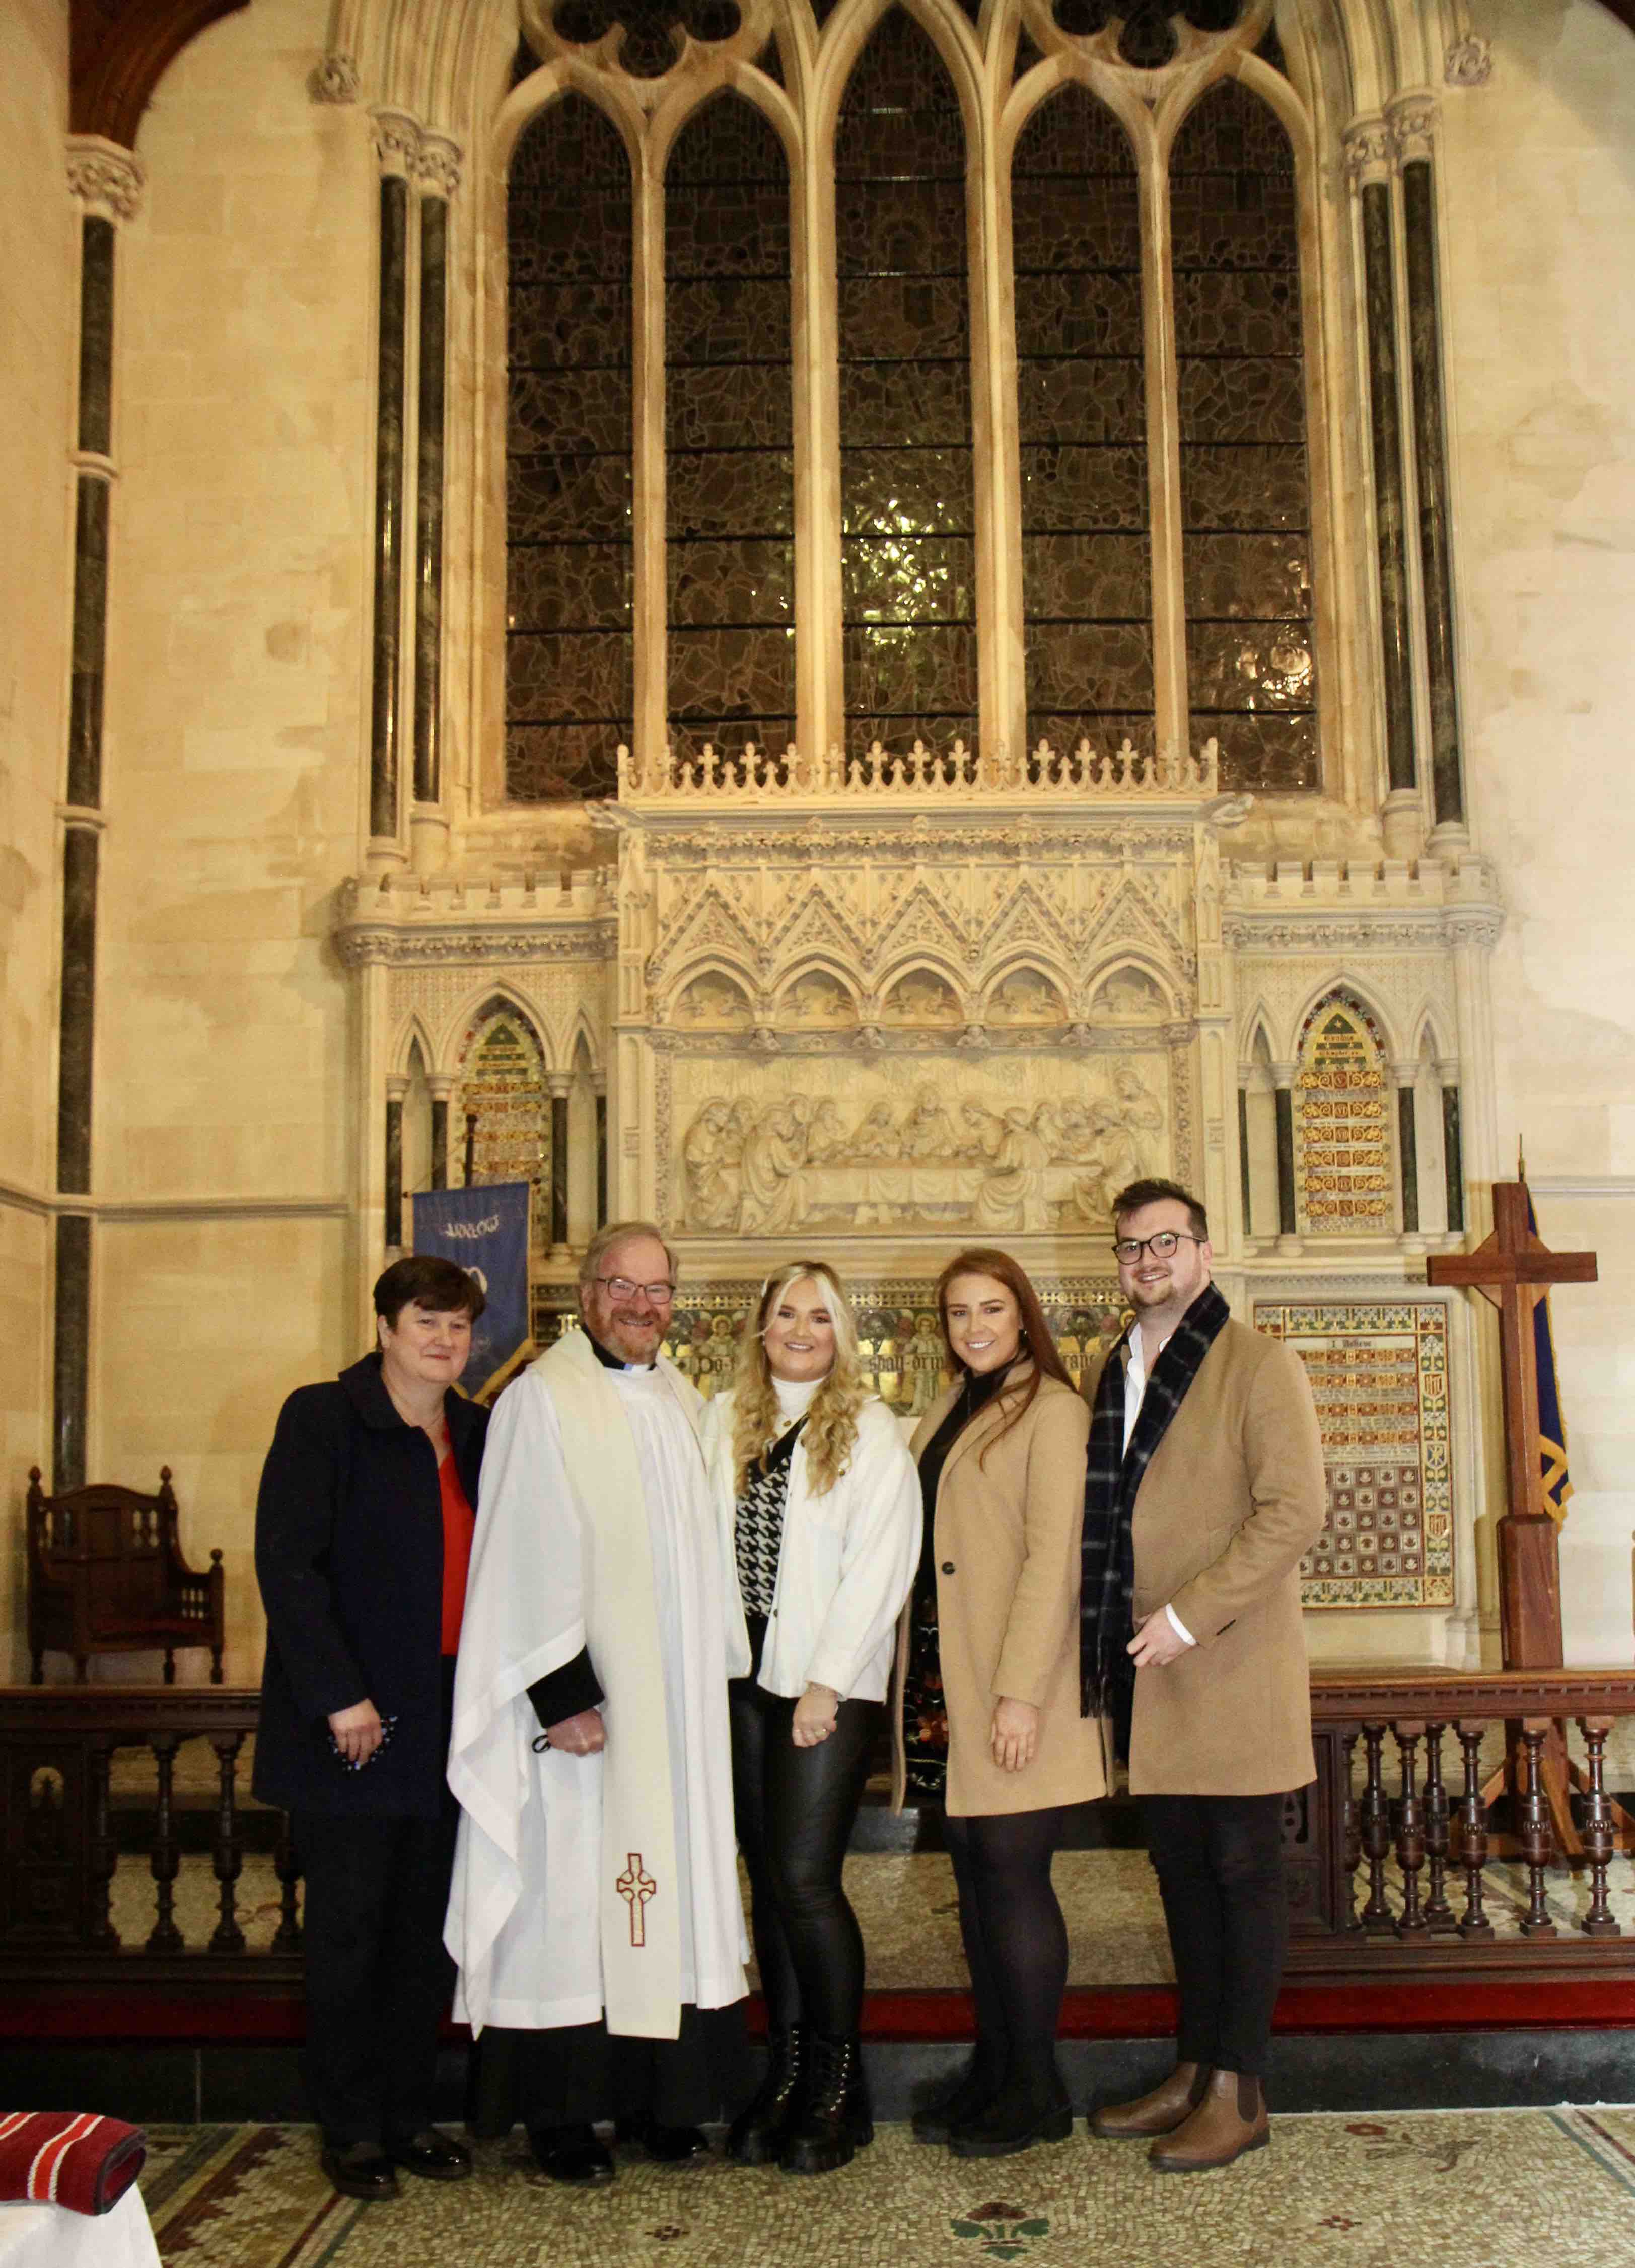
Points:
[1451,2189]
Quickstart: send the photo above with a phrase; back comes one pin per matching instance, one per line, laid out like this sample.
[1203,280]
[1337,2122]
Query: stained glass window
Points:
[906,506]
[729,433]
[1244,479]
[569,697]
[1081,416]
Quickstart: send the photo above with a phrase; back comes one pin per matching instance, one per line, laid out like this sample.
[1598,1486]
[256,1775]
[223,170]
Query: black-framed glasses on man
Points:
[621,1288]
[1161,1246]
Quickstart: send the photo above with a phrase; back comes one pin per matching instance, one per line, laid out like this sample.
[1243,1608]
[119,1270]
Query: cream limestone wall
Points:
[244,427]
[39,283]
[1539,183]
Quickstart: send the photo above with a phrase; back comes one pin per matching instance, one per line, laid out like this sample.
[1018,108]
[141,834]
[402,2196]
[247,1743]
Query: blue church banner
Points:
[485,1230]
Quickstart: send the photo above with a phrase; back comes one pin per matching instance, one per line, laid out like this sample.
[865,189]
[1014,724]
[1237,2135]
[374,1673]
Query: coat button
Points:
[947,1566]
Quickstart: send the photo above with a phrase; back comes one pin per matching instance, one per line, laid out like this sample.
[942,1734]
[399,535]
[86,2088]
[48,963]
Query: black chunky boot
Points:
[835,2121]
[757,2135]
[1023,2112]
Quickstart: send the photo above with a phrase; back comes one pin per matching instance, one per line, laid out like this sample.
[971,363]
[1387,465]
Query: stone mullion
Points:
[996,486]
[106,179]
[385,719]
[650,592]
[1171,711]
[1413,119]
[814,324]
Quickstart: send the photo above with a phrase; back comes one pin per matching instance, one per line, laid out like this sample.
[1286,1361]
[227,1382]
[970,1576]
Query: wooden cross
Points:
[1513,1270]
[636,1888]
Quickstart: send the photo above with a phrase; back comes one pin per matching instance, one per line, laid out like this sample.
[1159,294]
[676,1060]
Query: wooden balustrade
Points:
[1380,1832]
[1389,1856]
[60,1851]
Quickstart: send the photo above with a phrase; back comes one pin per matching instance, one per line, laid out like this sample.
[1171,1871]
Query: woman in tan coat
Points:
[995,1632]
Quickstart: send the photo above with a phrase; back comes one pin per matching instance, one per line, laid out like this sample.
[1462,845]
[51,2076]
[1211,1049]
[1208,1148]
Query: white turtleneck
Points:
[795,1399]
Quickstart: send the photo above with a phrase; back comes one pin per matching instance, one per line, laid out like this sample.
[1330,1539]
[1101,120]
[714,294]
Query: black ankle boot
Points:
[757,2135]
[835,2119]
[964,2096]
[1020,2115]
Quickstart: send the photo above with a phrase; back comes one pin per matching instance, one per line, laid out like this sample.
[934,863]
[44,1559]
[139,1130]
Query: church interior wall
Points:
[38,284]
[1540,233]
[232,1149]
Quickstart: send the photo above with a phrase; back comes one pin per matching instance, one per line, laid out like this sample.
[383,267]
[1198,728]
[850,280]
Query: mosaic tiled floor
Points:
[1414,2190]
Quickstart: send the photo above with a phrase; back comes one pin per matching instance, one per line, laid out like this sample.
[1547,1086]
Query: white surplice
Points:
[586,1886]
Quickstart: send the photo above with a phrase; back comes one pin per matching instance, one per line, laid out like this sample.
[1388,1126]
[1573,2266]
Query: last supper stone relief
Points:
[773,1150]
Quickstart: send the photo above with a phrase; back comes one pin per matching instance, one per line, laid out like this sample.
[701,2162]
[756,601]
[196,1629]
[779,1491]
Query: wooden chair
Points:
[107,1575]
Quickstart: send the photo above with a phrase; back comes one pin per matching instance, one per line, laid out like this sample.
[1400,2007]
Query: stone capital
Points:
[435,166]
[1413,119]
[104,177]
[1370,153]
[397,142]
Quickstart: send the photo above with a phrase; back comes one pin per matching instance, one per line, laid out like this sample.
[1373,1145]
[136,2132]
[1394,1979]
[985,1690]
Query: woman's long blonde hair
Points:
[831,1430]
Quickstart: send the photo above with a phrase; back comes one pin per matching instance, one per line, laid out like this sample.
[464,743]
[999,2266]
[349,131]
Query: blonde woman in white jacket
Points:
[820,1505]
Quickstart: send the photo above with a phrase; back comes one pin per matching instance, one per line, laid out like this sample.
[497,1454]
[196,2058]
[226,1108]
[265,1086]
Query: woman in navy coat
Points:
[363,1536]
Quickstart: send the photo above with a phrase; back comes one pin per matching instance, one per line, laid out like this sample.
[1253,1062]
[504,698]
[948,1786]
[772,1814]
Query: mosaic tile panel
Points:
[1234,227]
[904,389]
[1379,1376]
[568,652]
[502,1078]
[1344,1159]
[1327,2189]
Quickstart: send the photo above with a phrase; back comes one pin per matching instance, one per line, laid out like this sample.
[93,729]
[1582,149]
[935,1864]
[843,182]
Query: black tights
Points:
[794,1809]
[1219,1864]
[1015,1941]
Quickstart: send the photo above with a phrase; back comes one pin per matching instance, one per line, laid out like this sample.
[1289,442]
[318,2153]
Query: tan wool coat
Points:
[1006,1541]
[1232,1499]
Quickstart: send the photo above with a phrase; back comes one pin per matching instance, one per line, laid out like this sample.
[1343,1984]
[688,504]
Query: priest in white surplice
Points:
[595,1915]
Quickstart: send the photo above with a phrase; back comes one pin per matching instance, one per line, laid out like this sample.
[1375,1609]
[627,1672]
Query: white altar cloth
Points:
[51,2236]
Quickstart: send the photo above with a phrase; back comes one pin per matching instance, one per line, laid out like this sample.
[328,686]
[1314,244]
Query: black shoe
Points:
[360,2170]
[666,2145]
[757,2135]
[1012,2122]
[960,2099]
[431,2155]
[572,2154]
[835,2121]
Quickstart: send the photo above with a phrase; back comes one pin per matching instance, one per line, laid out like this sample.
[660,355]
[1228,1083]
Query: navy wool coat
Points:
[349,1555]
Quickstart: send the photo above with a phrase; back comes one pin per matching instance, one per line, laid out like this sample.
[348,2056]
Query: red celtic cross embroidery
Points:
[636,1888]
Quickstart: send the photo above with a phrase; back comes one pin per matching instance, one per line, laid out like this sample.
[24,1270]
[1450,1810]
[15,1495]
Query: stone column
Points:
[440,1086]
[396,1088]
[1282,1077]
[1452,1148]
[1413,126]
[561,1081]
[1244,1156]
[1404,1076]
[1369,154]
[436,168]
[601,1149]
[106,182]
[397,142]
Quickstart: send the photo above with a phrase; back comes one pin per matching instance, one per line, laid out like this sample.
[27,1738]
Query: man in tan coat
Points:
[1204,1488]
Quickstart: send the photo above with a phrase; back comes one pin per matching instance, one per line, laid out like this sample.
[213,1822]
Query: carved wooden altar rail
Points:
[1387,1864]
[59,1847]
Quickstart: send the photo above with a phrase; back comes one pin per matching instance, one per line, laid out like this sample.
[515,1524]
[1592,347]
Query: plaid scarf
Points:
[1106,1676]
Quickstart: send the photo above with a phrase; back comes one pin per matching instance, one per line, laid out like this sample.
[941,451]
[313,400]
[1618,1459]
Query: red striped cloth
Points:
[69,2158]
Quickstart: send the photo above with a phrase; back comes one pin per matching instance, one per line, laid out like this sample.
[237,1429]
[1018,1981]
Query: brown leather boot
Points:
[1158,2113]
[1230,2119]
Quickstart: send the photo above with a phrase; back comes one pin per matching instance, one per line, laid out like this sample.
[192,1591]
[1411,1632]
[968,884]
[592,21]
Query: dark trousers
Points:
[580,2073]
[794,1810]
[1219,1864]
[1015,1942]
[377,1979]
